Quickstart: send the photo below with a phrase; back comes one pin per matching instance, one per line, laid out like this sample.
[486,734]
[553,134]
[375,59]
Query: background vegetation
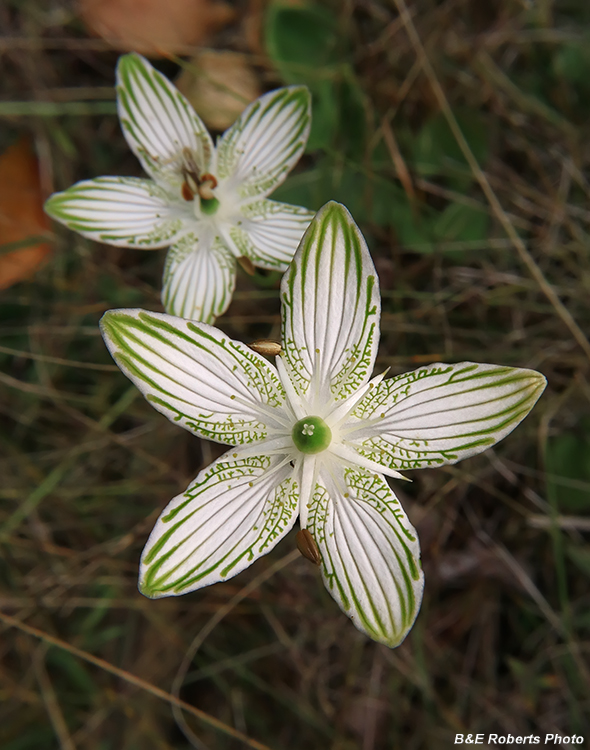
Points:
[457,134]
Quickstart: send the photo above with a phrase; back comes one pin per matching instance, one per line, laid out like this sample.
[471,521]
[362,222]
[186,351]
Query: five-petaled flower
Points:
[314,435]
[208,203]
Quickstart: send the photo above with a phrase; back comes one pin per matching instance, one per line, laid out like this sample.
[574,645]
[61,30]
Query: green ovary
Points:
[311,435]
[209,206]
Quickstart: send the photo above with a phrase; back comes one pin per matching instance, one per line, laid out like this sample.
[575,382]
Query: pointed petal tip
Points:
[113,322]
[149,591]
[303,92]
[51,205]
[392,640]
[56,206]
[337,212]
[130,59]
[149,585]
[536,385]
[117,312]
[298,93]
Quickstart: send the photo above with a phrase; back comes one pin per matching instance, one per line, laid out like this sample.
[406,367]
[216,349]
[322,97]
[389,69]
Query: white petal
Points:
[269,233]
[370,552]
[351,456]
[266,141]
[306,471]
[232,514]
[331,309]
[196,375]
[122,211]
[158,122]
[199,278]
[441,414]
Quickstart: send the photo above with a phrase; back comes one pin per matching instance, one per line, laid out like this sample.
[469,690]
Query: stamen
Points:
[344,410]
[187,193]
[246,264]
[306,544]
[194,183]
[267,347]
[207,183]
[293,398]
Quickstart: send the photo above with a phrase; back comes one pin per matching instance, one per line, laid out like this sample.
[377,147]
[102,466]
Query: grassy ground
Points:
[457,134]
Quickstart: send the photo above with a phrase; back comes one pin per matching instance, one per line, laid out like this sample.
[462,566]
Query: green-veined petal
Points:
[122,211]
[196,375]
[269,232]
[199,278]
[370,552]
[331,308]
[232,514]
[441,414]
[158,122]
[266,141]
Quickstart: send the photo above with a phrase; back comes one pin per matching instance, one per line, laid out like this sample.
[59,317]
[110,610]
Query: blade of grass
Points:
[132,679]
[209,627]
[478,173]
[56,109]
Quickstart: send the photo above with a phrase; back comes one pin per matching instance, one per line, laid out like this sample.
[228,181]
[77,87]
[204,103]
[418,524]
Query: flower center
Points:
[194,183]
[311,435]
[209,205]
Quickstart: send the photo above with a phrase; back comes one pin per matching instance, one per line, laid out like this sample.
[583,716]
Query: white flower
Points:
[315,435]
[207,202]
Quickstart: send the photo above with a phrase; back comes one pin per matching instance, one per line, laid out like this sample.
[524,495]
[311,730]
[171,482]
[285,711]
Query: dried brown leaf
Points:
[21,214]
[219,85]
[154,27]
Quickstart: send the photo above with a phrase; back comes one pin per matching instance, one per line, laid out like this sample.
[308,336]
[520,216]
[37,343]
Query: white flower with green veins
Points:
[314,435]
[208,203]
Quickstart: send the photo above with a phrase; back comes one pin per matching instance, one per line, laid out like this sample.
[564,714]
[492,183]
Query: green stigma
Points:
[209,205]
[311,435]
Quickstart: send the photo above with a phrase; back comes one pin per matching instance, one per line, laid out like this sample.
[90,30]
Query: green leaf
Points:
[461,223]
[369,198]
[32,739]
[580,556]
[300,40]
[115,295]
[306,45]
[568,468]
[572,61]
[411,223]
[436,151]
[72,669]
[352,118]
[325,115]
